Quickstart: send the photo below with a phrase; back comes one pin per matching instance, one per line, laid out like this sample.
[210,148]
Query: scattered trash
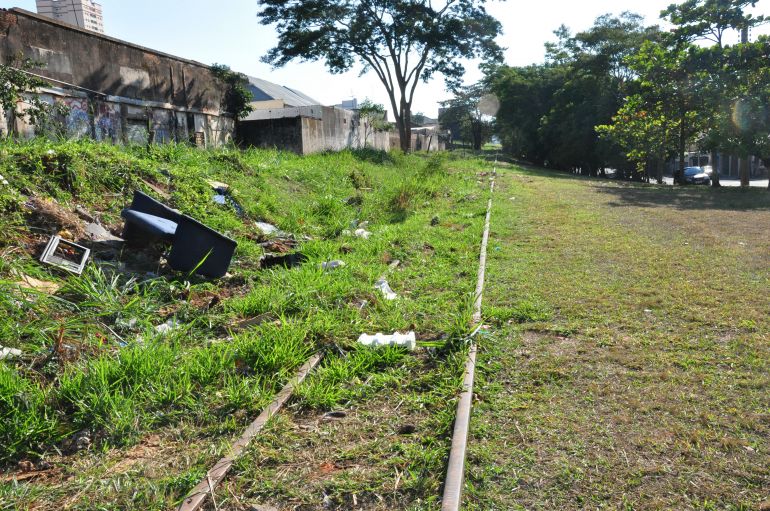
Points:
[332,265]
[742,243]
[4,181]
[435,221]
[53,217]
[65,254]
[194,246]
[43,286]
[98,233]
[335,415]
[362,233]
[8,353]
[223,196]
[167,327]
[268,229]
[385,289]
[218,186]
[407,340]
[126,324]
[285,260]
[647,311]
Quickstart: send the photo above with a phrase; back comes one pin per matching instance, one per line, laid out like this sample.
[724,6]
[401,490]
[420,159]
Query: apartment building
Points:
[81,13]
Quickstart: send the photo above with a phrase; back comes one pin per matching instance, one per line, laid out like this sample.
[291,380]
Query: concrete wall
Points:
[307,130]
[116,90]
[282,133]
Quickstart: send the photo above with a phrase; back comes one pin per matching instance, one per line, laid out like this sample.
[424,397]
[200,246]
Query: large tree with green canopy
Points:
[403,42]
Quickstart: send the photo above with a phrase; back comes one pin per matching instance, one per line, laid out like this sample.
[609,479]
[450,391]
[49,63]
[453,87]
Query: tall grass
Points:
[93,363]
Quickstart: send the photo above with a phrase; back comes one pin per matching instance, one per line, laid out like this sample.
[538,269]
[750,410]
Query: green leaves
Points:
[402,41]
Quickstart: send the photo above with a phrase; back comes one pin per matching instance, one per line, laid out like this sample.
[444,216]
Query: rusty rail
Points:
[453,486]
[197,496]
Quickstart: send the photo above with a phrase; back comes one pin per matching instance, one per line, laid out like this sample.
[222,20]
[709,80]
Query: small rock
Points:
[339,414]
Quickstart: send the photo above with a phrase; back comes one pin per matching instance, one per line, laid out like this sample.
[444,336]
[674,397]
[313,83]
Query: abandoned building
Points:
[121,92]
[114,90]
[288,119]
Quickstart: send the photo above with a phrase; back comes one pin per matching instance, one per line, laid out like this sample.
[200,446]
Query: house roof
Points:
[262,90]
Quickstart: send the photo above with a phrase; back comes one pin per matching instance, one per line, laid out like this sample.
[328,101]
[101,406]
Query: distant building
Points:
[81,13]
[288,119]
[270,96]
[349,104]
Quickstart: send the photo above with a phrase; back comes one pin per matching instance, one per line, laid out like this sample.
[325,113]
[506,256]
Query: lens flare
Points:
[742,115]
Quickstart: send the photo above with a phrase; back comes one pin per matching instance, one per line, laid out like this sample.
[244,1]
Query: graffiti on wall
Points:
[108,122]
[162,125]
[78,121]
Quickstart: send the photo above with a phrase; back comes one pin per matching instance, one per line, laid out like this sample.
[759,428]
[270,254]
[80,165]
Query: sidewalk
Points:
[726,182]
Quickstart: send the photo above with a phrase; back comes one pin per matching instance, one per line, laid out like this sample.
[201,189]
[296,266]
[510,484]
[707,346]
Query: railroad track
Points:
[453,485]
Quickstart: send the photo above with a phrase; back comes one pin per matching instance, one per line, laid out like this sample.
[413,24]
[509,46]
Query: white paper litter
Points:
[408,340]
[385,289]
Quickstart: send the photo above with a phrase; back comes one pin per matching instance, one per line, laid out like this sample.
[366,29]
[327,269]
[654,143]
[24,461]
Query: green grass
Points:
[628,364]
[94,366]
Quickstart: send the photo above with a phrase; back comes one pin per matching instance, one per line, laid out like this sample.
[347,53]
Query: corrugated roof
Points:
[262,90]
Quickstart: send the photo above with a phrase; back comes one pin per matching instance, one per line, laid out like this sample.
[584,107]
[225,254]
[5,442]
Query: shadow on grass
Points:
[644,195]
[702,198]
[376,156]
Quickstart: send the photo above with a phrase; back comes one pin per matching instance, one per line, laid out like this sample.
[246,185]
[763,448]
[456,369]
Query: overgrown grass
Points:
[96,379]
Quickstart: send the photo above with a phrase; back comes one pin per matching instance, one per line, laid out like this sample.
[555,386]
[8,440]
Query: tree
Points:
[671,86]
[237,97]
[710,20]
[467,113]
[548,113]
[372,118]
[403,41]
[645,131]
[18,84]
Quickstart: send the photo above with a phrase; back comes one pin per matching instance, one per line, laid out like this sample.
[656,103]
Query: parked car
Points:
[696,176]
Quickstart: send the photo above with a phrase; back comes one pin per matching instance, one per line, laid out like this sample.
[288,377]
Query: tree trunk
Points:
[679,174]
[405,125]
[714,170]
[743,171]
[659,170]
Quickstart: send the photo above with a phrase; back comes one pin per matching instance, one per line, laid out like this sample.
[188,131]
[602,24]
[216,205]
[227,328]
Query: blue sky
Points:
[228,32]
